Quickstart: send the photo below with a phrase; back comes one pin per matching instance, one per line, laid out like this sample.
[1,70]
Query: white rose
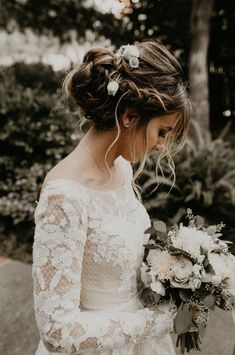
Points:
[182,270]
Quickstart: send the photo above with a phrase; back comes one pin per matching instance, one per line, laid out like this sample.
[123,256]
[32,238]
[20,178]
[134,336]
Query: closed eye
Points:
[162,134]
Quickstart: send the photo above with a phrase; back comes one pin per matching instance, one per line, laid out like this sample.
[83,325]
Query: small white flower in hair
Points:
[112,87]
[134,62]
[130,51]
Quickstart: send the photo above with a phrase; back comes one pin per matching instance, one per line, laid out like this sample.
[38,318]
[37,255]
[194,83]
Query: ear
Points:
[129,117]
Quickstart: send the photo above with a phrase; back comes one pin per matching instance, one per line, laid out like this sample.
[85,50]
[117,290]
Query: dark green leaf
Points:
[183,320]
[160,226]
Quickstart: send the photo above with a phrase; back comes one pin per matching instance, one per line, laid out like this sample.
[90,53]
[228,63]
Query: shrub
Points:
[35,133]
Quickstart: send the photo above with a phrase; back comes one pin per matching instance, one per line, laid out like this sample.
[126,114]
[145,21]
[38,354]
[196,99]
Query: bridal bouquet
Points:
[192,267]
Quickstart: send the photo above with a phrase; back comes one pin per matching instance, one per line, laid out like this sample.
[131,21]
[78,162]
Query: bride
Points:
[90,221]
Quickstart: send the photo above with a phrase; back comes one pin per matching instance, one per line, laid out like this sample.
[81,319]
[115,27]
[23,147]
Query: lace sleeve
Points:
[58,248]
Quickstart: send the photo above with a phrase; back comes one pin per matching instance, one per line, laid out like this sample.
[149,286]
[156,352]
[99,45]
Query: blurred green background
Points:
[42,40]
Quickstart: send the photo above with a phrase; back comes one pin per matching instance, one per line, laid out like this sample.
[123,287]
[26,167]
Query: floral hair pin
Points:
[113,85]
[131,53]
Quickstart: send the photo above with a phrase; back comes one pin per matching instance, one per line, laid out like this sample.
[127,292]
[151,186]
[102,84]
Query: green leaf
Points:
[149,230]
[209,301]
[183,295]
[152,246]
[201,330]
[160,226]
[211,230]
[210,270]
[199,221]
[183,320]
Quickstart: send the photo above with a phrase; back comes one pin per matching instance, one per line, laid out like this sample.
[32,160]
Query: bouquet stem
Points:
[188,341]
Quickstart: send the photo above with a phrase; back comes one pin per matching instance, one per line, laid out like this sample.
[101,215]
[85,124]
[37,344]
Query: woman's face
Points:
[157,129]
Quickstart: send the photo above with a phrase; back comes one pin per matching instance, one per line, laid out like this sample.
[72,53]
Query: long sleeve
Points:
[61,220]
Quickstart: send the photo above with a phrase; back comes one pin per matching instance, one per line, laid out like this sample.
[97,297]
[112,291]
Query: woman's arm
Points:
[60,236]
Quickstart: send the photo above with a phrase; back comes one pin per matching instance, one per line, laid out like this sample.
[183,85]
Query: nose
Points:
[158,147]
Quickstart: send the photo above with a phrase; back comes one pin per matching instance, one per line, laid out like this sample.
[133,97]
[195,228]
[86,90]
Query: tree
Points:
[198,67]
[202,32]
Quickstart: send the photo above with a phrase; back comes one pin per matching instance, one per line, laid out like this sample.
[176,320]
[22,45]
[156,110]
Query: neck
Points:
[98,144]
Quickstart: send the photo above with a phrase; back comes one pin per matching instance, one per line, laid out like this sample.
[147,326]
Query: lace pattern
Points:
[86,253]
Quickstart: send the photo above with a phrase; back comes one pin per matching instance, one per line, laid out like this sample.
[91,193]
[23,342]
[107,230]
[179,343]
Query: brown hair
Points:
[155,88]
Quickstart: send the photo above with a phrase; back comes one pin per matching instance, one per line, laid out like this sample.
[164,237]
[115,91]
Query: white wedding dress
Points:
[88,247]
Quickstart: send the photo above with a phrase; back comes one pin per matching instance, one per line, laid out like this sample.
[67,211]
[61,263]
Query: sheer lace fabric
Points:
[88,246]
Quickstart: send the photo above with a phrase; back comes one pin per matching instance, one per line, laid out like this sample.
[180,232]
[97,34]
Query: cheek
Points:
[153,137]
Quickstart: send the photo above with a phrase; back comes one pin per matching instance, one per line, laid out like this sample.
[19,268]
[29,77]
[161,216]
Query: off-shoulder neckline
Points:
[89,189]
[51,182]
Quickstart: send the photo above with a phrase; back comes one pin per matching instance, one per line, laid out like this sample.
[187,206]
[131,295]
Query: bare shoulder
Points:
[67,168]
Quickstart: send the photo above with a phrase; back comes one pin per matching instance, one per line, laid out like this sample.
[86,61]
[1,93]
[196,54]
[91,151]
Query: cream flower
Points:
[224,271]
[182,271]
[134,62]
[219,265]
[192,240]
[216,279]
[161,263]
[131,53]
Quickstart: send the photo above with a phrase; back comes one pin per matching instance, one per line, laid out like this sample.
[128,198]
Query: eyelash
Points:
[163,134]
